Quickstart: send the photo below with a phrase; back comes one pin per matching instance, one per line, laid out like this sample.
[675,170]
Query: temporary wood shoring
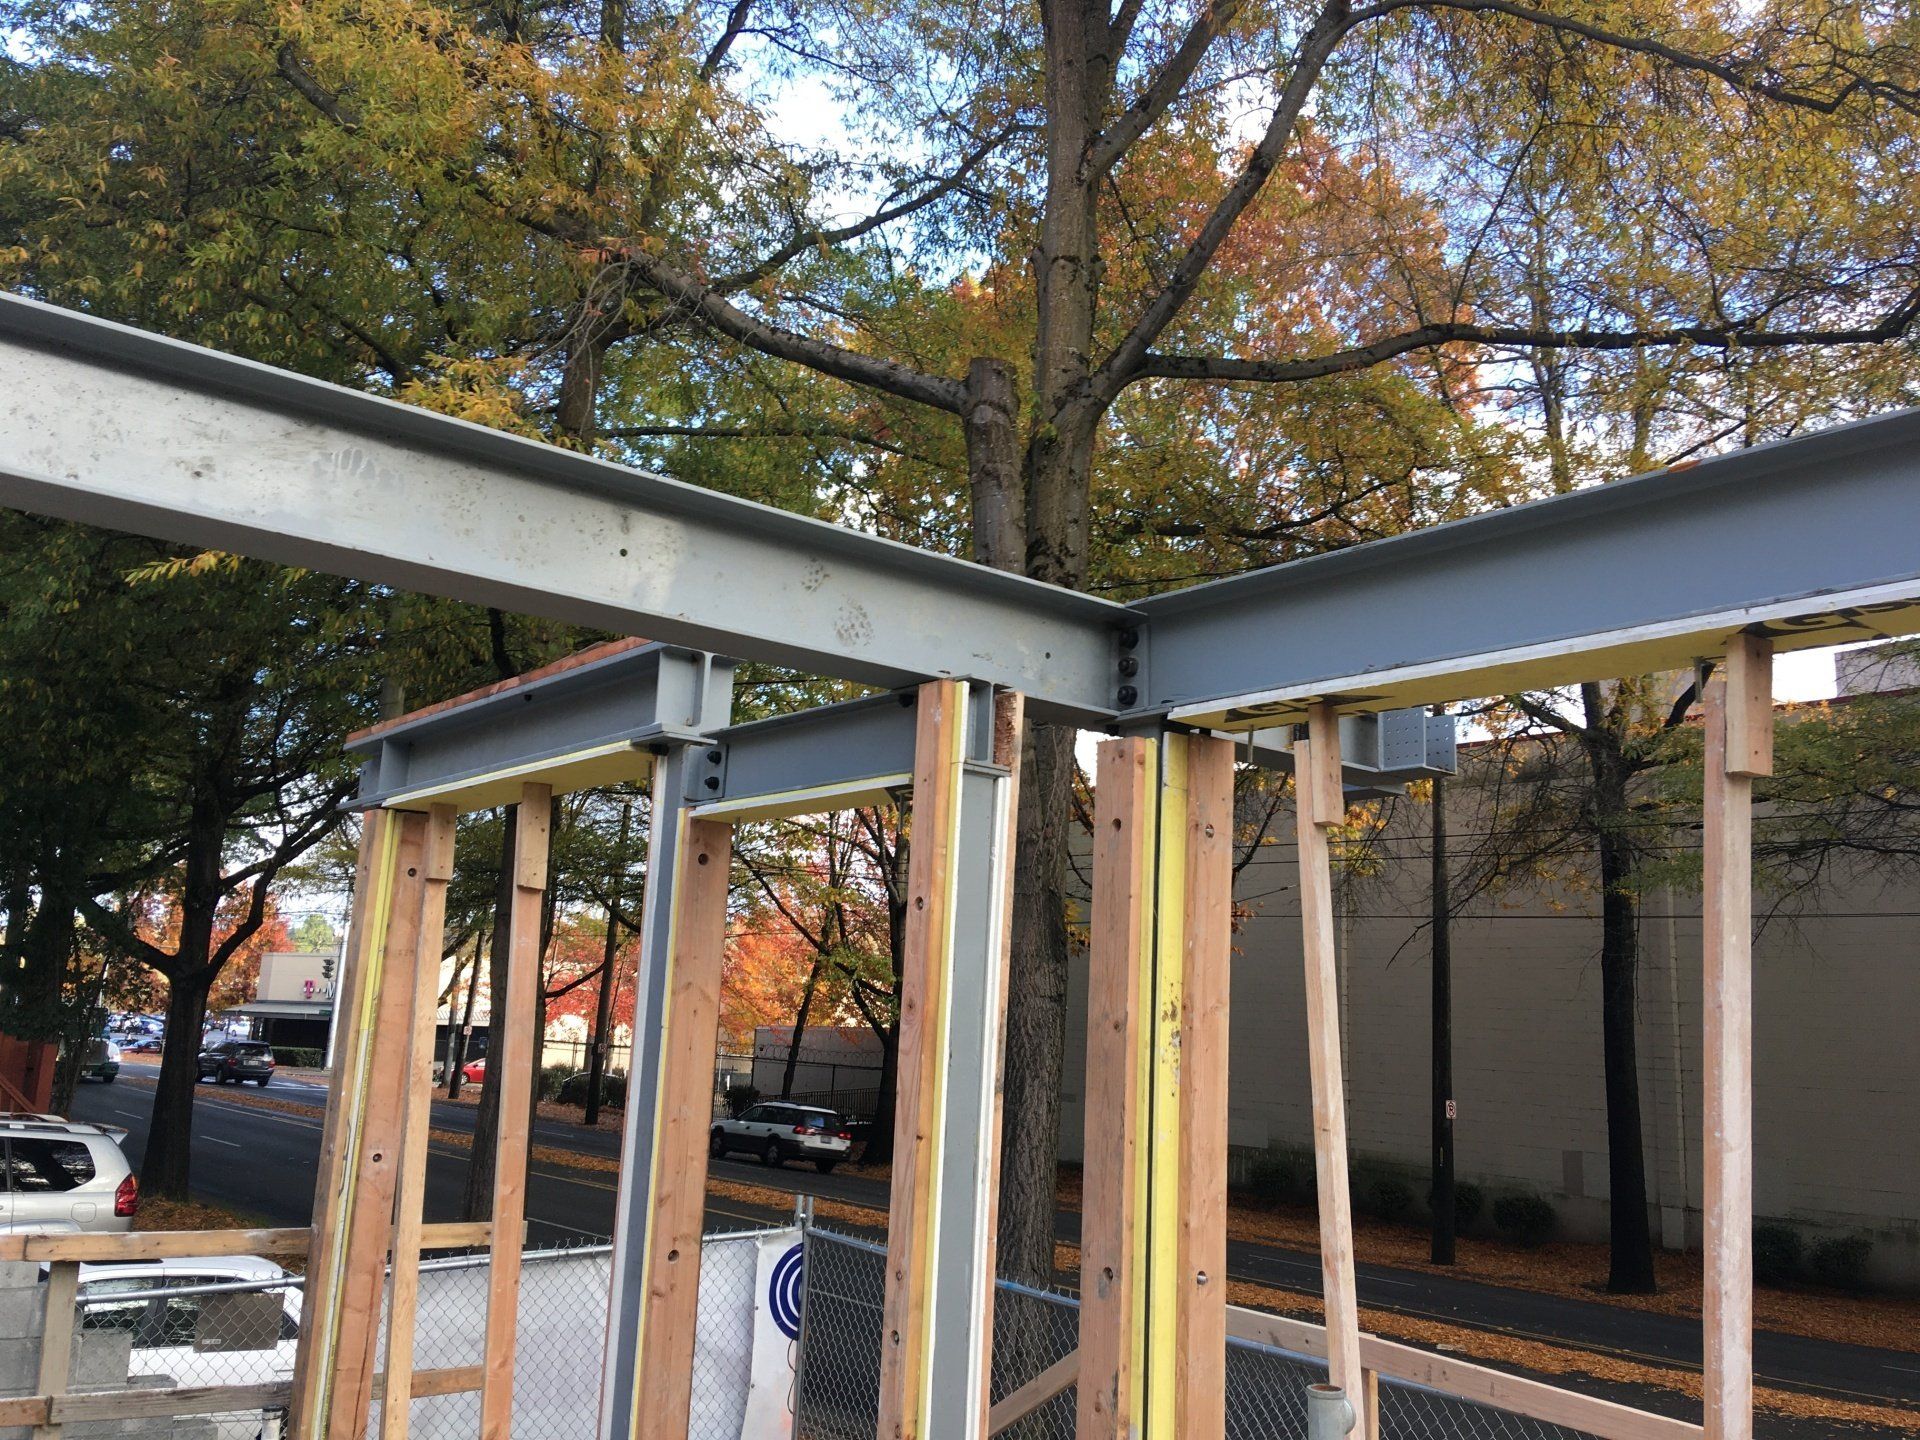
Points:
[510,1056]
[1320,807]
[403,1291]
[1739,747]
[1153,1327]
[663,1385]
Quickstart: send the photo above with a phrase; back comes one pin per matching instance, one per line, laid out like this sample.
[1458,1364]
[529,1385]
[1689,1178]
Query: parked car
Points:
[474,1072]
[778,1132]
[231,1061]
[63,1176]
[216,1320]
[102,1061]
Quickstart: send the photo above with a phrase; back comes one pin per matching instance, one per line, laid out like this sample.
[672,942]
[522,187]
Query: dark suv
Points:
[231,1061]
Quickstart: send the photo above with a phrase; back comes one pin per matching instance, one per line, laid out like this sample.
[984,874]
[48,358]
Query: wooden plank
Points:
[24,1410]
[1749,706]
[511,1048]
[196,1244]
[373,1150]
[423,966]
[456,1235]
[136,1404]
[371,884]
[1200,1315]
[56,1338]
[154,1245]
[1739,745]
[683,1119]
[1120,939]
[141,1404]
[453,1380]
[1035,1393]
[940,726]
[1317,791]
[1519,1396]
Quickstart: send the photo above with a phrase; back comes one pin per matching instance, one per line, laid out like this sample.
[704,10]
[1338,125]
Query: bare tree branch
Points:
[1165,87]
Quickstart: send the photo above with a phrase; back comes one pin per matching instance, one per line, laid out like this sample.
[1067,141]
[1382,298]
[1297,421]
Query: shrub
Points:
[1281,1177]
[298,1056]
[1388,1198]
[1778,1253]
[1526,1219]
[1468,1201]
[1842,1261]
[613,1090]
[740,1098]
[551,1079]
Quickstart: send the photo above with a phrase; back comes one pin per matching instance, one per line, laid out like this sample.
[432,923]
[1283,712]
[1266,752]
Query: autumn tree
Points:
[1059,251]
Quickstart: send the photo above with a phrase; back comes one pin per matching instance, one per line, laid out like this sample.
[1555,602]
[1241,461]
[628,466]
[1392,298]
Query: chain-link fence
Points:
[839,1383]
[236,1322]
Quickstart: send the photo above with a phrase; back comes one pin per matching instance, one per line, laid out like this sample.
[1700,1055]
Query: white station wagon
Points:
[778,1132]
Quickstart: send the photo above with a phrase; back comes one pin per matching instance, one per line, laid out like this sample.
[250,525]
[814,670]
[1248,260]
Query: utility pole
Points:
[1443,1107]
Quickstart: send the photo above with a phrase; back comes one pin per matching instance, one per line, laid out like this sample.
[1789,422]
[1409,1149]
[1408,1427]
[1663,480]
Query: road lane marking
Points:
[218,1141]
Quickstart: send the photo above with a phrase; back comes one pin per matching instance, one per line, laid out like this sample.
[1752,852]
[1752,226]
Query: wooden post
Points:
[342,1318]
[403,1291]
[936,1326]
[345,1104]
[511,1049]
[682,1119]
[1739,747]
[1153,1295]
[1199,1078]
[56,1337]
[1321,805]
[939,748]
[1120,946]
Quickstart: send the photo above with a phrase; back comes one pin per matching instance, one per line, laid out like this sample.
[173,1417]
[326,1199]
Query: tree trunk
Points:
[486,1120]
[457,1046]
[603,1000]
[800,1028]
[879,1149]
[1631,1267]
[165,1169]
[1444,1219]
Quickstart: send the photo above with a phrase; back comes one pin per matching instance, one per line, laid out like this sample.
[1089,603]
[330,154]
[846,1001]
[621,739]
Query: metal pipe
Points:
[1329,1414]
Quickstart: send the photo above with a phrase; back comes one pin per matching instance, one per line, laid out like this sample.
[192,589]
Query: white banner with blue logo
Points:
[747,1337]
[776,1337]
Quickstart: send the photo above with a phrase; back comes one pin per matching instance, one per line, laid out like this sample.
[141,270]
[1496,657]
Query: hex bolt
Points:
[1128,697]
[1129,665]
[713,782]
[714,757]
[1129,639]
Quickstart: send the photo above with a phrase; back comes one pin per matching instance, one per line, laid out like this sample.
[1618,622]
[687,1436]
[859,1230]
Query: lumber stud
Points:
[1153,1292]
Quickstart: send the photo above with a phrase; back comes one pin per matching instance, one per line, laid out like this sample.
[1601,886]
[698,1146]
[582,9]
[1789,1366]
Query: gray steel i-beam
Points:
[1809,541]
[580,725]
[116,427]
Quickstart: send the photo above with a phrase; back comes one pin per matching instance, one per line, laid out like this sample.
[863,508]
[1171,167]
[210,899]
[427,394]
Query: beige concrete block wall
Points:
[1837,1051]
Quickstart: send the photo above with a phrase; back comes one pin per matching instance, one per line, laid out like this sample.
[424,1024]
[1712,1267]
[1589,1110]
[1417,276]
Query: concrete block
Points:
[101,1359]
[22,1308]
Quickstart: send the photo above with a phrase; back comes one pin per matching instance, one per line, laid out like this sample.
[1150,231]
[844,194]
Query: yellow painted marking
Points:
[1163,1130]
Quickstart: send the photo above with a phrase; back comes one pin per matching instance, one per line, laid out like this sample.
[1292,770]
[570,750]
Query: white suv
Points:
[778,1132]
[63,1175]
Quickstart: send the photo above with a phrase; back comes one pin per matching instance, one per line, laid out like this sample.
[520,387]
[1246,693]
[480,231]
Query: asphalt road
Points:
[262,1163]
